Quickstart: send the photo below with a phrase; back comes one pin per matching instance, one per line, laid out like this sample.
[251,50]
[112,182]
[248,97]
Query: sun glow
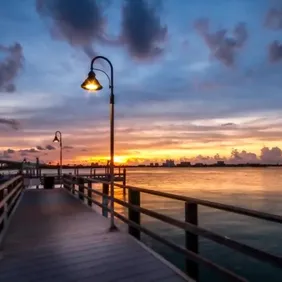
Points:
[120,159]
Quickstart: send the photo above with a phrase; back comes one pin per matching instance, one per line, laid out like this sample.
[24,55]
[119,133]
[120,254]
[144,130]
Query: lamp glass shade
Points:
[91,83]
[56,139]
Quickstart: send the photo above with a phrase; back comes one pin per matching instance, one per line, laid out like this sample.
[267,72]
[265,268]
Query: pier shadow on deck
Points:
[54,237]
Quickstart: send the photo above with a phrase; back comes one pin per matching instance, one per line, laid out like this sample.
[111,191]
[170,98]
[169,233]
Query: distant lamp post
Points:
[91,83]
[58,138]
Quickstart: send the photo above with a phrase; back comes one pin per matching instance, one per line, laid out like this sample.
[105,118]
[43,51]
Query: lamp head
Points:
[91,83]
[56,139]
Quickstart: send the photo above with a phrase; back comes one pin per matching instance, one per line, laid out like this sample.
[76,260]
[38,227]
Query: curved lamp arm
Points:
[111,66]
[105,74]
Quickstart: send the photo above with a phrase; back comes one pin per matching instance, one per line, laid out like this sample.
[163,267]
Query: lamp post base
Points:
[113,228]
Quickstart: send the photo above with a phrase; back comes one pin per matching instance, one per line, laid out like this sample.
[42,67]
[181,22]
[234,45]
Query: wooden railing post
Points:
[2,210]
[67,185]
[73,184]
[89,193]
[134,199]
[10,188]
[105,200]
[124,181]
[191,240]
[64,182]
[81,188]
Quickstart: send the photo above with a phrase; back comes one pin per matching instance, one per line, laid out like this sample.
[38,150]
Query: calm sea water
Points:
[254,188]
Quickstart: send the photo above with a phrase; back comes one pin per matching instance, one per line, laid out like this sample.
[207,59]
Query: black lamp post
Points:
[92,84]
[58,138]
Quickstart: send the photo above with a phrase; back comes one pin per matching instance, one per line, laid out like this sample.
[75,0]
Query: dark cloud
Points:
[50,148]
[10,151]
[11,122]
[68,147]
[228,124]
[273,19]
[142,31]
[80,24]
[40,148]
[26,151]
[222,47]
[10,66]
[275,52]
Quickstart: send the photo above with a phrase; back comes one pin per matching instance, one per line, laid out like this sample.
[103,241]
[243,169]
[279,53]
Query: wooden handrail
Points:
[195,257]
[9,182]
[14,187]
[8,196]
[222,240]
[219,206]
[189,227]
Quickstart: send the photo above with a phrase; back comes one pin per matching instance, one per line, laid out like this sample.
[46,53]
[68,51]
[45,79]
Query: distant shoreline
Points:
[16,167]
[158,167]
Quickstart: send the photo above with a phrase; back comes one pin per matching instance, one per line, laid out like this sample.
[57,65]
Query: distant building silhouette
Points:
[169,163]
[184,164]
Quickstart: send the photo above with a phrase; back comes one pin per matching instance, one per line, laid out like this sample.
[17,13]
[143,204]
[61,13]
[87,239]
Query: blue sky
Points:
[186,85]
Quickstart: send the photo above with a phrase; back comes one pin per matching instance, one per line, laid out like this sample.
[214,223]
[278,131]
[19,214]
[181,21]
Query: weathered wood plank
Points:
[54,237]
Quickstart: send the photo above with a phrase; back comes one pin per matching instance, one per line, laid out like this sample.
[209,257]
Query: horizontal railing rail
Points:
[9,194]
[190,225]
[219,206]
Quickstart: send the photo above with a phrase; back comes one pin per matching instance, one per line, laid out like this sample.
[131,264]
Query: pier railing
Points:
[190,225]
[9,194]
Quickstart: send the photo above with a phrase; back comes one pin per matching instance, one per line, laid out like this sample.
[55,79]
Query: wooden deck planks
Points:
[54,237]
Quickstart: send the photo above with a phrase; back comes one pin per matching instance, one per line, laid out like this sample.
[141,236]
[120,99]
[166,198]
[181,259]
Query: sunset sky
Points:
[194,80]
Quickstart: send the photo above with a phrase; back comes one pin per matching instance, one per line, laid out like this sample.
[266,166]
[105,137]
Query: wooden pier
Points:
[52,236]
[55,235]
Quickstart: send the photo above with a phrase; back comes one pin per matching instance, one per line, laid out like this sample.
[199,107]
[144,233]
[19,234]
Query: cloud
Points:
[80,25]
[10,151]
[11,122]
[228,124]
[50,148]
[67,147]
[10,66]
[271,156]
[222,47]
[40,148]
[243,157]
[267,156]
[275,51]
[273,19]
[142,31]
[26,151]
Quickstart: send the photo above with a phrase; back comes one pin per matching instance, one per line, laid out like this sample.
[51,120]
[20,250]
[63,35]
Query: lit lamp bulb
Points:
[91,83]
